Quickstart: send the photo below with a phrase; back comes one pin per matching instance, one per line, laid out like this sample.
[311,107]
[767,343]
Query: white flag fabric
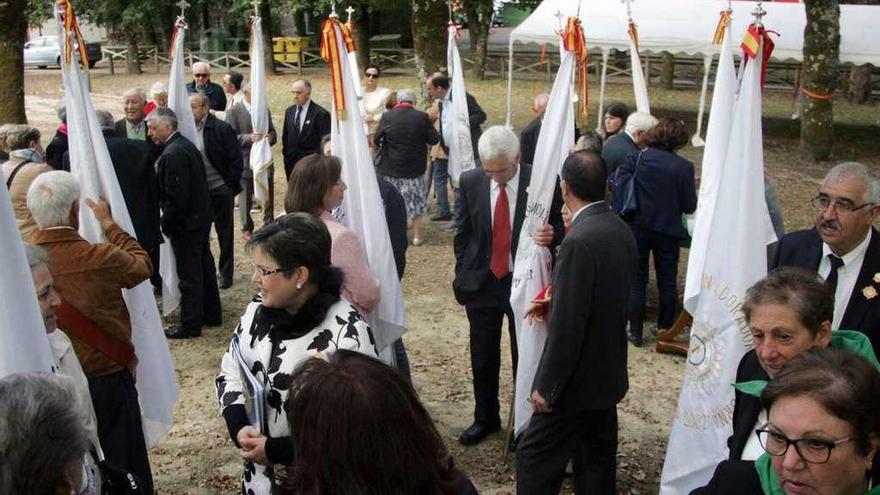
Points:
[90,164]
[261,151]
[461,151]
[364,212]
[735,258]
[24,347]
[531,269]
[640,89]
[354,67]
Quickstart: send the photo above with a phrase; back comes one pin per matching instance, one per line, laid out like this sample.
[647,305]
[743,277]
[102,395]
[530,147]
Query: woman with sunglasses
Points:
[297,314]
[374,98]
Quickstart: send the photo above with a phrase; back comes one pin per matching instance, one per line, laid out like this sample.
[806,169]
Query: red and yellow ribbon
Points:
[330,52]
[755,35]
[573,40]
[633,32]
[72,35]
[723,22]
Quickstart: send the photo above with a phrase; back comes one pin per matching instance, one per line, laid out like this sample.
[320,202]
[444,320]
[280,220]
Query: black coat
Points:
[746,408]
[733,478]
[183,187]
[616,150]
[213,92]
[476,117]
[56,150]
[804,248]
[137,180]
[155,149]
[665,189]
[403,137]
[296,145]
[395,217]
[528,140]
[583,365]
[221,146]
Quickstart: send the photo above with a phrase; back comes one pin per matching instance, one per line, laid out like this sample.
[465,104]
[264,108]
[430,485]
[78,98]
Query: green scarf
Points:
[770,483]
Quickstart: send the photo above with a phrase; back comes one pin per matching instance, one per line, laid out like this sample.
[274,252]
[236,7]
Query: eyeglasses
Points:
[201,75]
[812,450]
[841,206]
[265,272]
[372,75]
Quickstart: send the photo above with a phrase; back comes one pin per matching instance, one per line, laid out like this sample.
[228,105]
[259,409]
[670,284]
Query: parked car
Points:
[44,51]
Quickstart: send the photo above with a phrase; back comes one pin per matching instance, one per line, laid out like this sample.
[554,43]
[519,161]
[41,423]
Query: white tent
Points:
[686,27]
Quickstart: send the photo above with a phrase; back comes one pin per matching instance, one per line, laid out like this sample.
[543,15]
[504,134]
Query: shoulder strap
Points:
[75,323]
[15,172]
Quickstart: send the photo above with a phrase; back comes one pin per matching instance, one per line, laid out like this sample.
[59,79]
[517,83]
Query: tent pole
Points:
[509,83]
[697,141]
[600,113]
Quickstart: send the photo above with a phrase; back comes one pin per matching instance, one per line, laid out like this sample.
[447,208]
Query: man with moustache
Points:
[843,247]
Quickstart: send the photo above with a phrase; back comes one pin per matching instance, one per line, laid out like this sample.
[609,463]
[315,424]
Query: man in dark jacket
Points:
[201,83]
[305,124]
[621,146]
[186,220]
[133,126]
[223,167]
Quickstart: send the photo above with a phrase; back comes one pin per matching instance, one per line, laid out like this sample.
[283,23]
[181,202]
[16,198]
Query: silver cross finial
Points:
[333,14]
[256,4]
[349,10]
[628,4]
[183,4]
[759,13]
[559,18]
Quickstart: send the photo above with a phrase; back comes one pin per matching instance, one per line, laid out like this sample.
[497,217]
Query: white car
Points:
[44,51]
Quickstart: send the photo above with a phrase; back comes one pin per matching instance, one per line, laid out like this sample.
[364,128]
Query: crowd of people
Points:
[311,403]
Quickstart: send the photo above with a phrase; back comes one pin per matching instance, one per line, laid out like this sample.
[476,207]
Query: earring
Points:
[299,286]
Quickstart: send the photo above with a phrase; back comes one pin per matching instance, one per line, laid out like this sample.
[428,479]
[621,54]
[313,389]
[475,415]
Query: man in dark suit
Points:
[582,373]
[223,166]
[186,221]
[528,138]
[843,247]
[488,224]
[438,86]
[617,149]
[132,126]
[202,83]
[305,124]
[137,180]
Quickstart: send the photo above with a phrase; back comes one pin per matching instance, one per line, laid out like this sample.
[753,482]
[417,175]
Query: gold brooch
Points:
[869,292]
[877,278]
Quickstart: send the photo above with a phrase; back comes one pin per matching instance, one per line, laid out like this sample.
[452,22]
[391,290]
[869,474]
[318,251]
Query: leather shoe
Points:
[476,433]
[634,339]
[441,218]
[179,332]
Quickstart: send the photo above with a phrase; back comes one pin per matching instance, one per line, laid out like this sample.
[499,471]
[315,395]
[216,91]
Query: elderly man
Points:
[843,247]
[488,225]
[232,82]
[633,138]
[186,220]
[223,163]
[529,136]
[438,86]
[201,83]
[24,165]
[239,117]
[133,125]
[90,278]
[305,124]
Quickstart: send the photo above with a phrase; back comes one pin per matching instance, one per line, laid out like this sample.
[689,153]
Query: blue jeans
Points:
[441,179]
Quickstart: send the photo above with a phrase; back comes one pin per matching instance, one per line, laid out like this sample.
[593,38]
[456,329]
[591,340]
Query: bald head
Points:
[540,105]
[199,104]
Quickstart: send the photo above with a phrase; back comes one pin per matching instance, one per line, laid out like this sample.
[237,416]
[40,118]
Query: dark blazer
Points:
[155,149]
[746,408]
[473,224]
[213,92]
[665,189]
[183,187]
[804,248]
[296,145]
[56,150]
[528,140]
[222,149]
[239,118]
[733,478]
[616,150]
[395,217]
[402,137]
[137,180]
[476,117]
[583,365]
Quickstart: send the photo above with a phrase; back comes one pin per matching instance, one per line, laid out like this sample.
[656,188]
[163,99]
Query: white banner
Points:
[461,151]
[261,151]
[90,164]
[640,89]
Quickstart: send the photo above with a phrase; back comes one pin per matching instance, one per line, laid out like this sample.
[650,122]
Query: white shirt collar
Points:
[513,182]
[582,208]
[854,254]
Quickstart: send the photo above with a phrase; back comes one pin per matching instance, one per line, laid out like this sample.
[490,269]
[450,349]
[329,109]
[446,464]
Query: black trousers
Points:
[486,317]
[223,204]
[246,200]
[156,278]
[199,295]
[119,425]
[589,438]
[666,252]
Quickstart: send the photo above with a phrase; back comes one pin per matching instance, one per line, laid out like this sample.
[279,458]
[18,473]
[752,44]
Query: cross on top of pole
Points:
[759,13]
[333,14]
[256,4]
[183,4]
[349,10]
[628,4]
[559,17]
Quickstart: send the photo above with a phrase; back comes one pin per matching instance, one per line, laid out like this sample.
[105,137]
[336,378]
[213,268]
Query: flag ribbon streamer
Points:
[633,32]
[330,54]
[751,42]
[723,22]
[180,23]
[72,27]
[457,30]
[573,40]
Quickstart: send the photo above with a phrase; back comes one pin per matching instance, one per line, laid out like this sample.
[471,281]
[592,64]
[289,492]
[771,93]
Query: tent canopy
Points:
[687,26]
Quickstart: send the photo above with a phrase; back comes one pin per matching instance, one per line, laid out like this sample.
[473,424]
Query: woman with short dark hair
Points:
[358,427]
[297,314]
[614,119]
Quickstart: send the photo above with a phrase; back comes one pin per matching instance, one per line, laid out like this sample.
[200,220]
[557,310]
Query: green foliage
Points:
[319,7]
[38,12]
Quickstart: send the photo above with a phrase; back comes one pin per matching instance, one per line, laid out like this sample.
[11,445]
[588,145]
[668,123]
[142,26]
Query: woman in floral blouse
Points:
[296,315]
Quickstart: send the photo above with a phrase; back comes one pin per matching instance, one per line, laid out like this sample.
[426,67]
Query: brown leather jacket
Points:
[90,277]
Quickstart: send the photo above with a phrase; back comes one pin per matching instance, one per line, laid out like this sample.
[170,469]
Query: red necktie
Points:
[500,262]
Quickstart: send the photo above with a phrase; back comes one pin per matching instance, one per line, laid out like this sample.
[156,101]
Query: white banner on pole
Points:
[461,151]
[261,152]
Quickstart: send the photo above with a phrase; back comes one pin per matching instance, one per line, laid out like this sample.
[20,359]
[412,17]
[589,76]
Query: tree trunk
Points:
[479,22]
[268,46]
[429,36]
[859,84]
[12,39]
[821,49]
[132,62]
[667,70]
[361,26]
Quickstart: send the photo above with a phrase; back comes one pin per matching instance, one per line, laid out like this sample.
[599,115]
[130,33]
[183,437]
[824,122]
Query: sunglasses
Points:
[372,75]
[201,75]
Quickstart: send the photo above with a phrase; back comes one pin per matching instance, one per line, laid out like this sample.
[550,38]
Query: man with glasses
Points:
[202,84]
[843,247]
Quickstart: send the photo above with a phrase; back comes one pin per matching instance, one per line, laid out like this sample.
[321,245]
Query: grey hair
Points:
[105,120]
[36,255]
[40,433]
[50,197]
[158,88]
[163,116]
[858,171]
[206,65]
[640,121]
[498,141]
[590,140]
[20,137]
[542,100]
[139,92]
[61,111]
[407,95]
